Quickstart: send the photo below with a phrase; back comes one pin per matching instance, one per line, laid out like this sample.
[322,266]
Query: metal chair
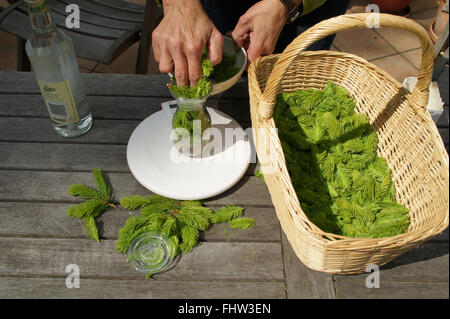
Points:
[107,29]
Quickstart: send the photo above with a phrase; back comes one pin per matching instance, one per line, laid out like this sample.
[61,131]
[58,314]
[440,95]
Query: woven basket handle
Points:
[350,22]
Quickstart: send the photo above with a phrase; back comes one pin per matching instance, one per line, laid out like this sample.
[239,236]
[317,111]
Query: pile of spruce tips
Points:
[180,221]
[331,155]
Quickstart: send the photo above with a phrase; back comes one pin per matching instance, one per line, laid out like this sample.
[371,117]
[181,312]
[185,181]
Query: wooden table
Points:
[38,240]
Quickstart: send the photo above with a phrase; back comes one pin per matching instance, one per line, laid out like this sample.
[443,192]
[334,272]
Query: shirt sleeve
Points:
[310,5]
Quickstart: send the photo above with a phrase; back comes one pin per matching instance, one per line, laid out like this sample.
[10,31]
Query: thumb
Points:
[215,46]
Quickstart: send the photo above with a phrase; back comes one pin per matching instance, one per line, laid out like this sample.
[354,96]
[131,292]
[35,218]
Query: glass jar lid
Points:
[150,252]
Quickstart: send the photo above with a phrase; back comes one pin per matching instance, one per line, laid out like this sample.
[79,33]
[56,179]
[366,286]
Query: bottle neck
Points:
[40,18]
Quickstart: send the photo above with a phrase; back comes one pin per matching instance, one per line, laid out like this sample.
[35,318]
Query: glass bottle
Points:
[55,66]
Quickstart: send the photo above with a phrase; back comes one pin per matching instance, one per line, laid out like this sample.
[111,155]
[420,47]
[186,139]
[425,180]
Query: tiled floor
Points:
[397,52]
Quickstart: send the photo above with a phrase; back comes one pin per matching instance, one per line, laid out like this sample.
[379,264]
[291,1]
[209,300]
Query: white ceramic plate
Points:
[156,164]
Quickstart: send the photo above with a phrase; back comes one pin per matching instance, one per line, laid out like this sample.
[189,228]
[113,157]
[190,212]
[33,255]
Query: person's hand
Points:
[259,28]
[180,38]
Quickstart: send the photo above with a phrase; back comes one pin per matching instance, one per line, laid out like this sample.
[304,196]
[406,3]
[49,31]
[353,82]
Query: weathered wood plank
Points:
[113,108]
[69,157]
[443,121]
[41,130]
[52,187]
[427,263]
[72,157]
[51,220]
[442,236]
[55,288]
[444,132]
[113,85]
[208,261]
[302,282]
[349,289]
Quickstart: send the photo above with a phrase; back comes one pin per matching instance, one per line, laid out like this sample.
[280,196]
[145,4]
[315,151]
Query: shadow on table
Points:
[424,252]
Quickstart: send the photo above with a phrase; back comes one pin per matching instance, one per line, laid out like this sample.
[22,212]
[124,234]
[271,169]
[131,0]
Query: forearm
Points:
[186,5]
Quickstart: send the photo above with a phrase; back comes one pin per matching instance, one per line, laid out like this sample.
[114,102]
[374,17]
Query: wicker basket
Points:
[408,139]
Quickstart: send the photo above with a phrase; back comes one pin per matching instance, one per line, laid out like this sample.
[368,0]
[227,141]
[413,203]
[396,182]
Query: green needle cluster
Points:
[180,221]
[331,155]
[219,73]
[97,200]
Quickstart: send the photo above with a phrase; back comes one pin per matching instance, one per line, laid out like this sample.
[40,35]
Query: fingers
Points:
[181,68]
[215,47]
[165,60]
[155,45]
[194,68]
[240,31]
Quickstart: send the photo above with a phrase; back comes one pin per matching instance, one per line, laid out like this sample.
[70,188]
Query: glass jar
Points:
[190,122]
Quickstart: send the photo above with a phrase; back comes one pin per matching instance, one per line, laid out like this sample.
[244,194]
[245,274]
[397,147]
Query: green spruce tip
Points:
[195,216]
[83,191]
[242,223]
[97,201]
[89,208]
[102,185]
[189,236]
[347,183]
[226,214]
[259,174]
[134,202]
[91,228]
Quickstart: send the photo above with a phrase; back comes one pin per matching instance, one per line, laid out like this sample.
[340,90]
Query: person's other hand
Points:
[259,28]
[180,38]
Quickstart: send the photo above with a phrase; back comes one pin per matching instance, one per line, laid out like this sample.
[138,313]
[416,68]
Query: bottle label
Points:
[59,100]
[38,6]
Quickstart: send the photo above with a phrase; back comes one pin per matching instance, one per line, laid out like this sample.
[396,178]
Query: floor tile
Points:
[87,64]
[401,40]
[397,66]
[425,18]
[365,43]
[84,70]
[358,6]
[8,59]
[334,48]
[420,5]
[125,63]
[414,57]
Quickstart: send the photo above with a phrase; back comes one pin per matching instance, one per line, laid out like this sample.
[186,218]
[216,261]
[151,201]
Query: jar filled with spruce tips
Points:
[189,124]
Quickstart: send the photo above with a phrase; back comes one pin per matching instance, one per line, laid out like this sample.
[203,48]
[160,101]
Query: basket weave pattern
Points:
[408,139]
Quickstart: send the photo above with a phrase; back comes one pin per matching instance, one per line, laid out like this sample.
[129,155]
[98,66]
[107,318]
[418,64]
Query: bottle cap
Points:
[37,6]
